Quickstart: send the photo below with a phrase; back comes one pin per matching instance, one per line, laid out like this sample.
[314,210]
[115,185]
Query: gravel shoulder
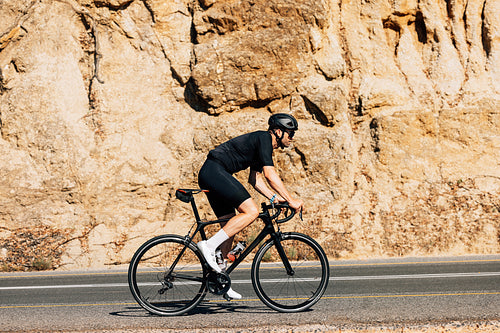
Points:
[450,327]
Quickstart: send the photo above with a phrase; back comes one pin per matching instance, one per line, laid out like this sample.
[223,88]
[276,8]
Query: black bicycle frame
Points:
[267,230]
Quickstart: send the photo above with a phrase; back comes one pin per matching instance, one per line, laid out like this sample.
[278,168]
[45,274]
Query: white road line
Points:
[340,278]
[64,286]
[414,276]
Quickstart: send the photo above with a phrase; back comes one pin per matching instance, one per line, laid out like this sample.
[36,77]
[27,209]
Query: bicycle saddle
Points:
[186,194]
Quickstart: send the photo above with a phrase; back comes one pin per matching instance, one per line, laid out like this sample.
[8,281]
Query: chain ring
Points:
[218,283]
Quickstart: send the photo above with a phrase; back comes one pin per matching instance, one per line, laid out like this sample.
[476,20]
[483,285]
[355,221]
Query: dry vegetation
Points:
[37,248]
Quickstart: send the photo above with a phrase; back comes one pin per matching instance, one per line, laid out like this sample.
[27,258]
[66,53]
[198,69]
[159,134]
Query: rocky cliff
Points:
[107,106]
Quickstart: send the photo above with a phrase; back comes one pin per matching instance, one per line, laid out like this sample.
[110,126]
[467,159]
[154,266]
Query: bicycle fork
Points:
[281,251]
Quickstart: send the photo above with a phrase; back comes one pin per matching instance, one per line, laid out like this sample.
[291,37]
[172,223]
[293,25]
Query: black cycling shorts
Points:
[225,193]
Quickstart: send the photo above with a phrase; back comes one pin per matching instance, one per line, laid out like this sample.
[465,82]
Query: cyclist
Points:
[226,193]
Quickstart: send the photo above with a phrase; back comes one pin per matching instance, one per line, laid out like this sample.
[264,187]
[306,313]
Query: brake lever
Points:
[300,215]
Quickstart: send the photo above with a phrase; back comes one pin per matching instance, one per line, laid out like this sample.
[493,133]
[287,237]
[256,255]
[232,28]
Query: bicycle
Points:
[169,276]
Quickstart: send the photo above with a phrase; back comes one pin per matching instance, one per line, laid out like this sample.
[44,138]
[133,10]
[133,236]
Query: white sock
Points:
[217,239]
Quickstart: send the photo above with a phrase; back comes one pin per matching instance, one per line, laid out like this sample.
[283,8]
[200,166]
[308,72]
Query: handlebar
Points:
[284,208]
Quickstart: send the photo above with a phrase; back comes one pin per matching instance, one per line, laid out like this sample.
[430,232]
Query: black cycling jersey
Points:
[254,150]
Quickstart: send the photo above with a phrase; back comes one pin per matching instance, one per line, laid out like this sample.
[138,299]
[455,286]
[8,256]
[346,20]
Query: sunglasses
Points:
[290,134]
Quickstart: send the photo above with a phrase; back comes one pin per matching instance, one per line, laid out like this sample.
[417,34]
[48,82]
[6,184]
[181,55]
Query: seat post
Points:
[195,209]
[200,227]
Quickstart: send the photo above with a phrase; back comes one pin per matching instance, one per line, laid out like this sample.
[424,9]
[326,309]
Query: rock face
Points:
[107,106]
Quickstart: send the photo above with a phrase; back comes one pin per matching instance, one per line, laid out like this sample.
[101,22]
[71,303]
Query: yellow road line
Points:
[375,296]
[253,300]
[243,268]
[413,295]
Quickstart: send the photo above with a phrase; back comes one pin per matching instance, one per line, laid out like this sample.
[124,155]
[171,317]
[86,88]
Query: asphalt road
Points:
[411,290]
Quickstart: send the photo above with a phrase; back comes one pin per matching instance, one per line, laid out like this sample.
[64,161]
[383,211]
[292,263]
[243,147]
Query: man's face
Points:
[288,138]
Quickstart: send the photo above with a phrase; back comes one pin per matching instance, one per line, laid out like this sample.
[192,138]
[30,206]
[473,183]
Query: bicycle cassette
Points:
[218,283]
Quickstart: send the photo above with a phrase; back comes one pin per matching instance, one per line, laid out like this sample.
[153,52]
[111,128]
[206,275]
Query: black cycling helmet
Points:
[283,121]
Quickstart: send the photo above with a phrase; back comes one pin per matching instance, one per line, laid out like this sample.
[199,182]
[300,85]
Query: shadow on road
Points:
[202,308]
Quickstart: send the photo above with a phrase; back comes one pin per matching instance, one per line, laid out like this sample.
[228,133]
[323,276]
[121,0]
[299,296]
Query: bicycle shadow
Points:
[202,309]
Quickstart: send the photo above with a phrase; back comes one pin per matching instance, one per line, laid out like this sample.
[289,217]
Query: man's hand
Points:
[296,204]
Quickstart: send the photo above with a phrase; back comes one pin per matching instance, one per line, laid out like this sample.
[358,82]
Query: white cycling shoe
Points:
[231,294]
[209,255]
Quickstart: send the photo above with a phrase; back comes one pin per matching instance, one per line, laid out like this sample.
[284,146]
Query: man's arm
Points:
[256,180]
[276,183]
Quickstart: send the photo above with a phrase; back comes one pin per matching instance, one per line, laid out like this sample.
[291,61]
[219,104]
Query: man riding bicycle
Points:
[226,193]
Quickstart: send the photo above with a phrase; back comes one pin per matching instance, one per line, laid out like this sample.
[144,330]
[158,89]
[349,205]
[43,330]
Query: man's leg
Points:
[248,213]
[226,246]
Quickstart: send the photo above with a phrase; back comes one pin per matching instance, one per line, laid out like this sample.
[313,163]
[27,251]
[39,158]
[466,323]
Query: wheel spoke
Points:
[160,289]
[298,291]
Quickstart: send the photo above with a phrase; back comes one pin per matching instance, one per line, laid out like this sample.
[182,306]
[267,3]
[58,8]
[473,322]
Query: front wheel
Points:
[166,276]
[301,287]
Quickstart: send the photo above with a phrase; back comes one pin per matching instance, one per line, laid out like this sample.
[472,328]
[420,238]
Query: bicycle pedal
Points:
[227,298]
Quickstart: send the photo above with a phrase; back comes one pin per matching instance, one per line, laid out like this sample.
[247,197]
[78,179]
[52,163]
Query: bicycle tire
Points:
[290,293]
[163,293]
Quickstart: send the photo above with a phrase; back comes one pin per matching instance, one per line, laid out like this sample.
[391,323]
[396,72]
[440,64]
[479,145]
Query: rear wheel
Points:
[160,289]
[298,289]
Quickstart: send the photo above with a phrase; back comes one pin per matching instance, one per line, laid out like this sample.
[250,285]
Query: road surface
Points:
[410,290]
